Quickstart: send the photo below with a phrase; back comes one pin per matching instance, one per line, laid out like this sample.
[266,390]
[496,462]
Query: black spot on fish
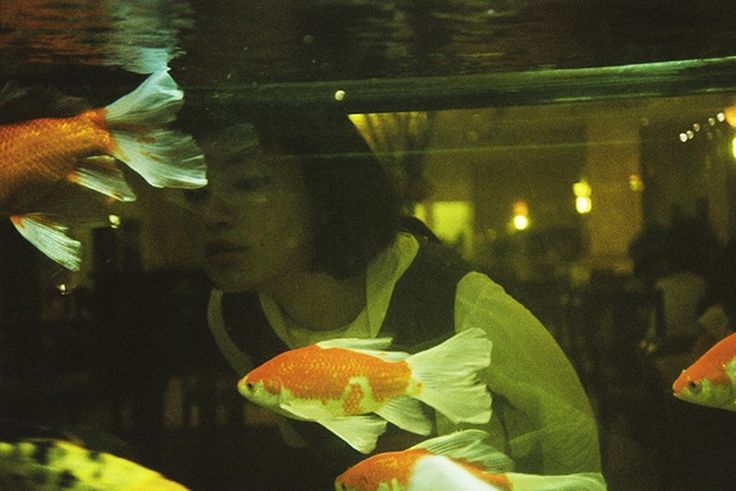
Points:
[94,455]
[67,480]
[41,451]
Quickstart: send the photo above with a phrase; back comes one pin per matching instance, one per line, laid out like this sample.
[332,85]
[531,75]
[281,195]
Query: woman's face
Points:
[254,213]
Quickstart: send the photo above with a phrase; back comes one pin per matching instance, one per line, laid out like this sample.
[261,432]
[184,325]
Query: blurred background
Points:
[581,152]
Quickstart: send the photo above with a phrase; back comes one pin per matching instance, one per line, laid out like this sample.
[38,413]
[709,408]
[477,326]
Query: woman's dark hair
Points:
[354,206]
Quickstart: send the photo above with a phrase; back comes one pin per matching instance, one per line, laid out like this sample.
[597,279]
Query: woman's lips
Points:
[222,249]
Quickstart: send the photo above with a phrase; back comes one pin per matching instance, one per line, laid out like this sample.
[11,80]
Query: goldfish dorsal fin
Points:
[469,446]
[49,237]
[373,347]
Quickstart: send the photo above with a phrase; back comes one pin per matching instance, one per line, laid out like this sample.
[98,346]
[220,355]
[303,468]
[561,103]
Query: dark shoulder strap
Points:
[422,308]
[248,327]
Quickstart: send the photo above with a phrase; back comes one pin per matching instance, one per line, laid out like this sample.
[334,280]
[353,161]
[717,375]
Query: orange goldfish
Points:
[39,154]
[353,387]
[711,380]
[460,460]
[396,470]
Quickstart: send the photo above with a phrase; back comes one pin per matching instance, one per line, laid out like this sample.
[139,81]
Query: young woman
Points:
[304,242]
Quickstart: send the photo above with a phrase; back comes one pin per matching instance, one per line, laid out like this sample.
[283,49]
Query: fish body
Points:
[711,380]
[396,471]
[40,155]
[48,464]
[353,386]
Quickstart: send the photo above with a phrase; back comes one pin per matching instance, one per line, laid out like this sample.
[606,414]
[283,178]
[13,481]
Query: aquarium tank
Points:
[555,177]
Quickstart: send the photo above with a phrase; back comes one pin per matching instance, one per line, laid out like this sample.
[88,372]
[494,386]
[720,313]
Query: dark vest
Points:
[420,315]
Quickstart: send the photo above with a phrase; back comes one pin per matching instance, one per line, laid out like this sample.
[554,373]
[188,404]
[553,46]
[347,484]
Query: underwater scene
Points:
[367,245]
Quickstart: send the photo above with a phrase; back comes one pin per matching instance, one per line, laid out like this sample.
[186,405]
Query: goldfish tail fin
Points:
[103,176]
[469,446]
[50,238]
[163,157]
[406,413]
[446,377]
[360,432]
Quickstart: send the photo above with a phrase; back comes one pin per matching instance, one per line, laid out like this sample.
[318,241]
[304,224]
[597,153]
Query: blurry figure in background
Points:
[718,319]
[304,243]
[675,262]
[683,287]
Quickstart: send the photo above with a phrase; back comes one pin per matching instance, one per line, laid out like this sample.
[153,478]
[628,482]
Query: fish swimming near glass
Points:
[711,380]
[353,387]
[460,460]
[51,464]
[49,140]
[395,471]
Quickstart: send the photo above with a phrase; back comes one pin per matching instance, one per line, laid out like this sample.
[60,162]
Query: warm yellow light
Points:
[583,204]
[581,189]
[733,147]
[521,222]
[520,208]
[114,221]
[451,219]
[635,182]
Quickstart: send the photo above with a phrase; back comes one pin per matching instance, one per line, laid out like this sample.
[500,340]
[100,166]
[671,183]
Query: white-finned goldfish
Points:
[352,386]
[52,464]
[396,470]
[711,380]
[460,460]
[40,153]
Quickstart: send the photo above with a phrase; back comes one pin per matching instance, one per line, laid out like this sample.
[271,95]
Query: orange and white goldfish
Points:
[39,154]
[396,470]
[460,460]
[53,464]
[711,380]
[352,386]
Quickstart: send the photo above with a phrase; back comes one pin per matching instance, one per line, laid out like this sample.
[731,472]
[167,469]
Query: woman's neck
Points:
[320,302]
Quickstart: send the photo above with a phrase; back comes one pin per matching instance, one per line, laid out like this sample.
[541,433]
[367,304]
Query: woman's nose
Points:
[213,210]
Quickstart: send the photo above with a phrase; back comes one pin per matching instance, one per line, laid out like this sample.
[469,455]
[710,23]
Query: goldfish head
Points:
[705,391]
[260,388]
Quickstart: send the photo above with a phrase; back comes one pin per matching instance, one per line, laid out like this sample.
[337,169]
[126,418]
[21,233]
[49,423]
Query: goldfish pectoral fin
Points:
[164,158]
[360,432]
[469,446]
[305,411]
[102,178]
[407,414]
[50,238]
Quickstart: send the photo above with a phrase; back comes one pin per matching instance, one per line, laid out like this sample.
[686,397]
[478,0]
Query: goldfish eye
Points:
[250,385]
[694,387]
